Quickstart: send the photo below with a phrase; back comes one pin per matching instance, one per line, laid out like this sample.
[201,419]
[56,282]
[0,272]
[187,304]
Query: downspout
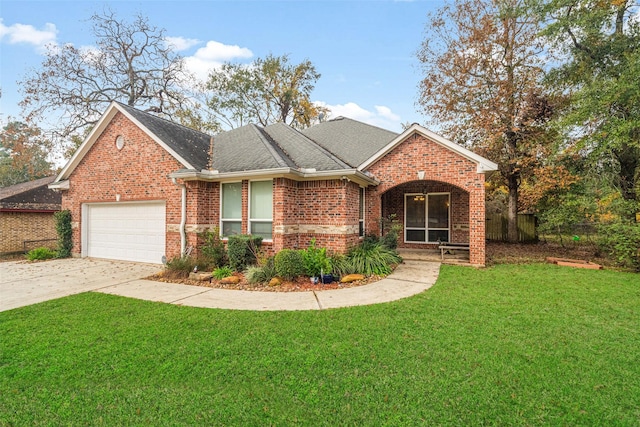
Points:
[183,217]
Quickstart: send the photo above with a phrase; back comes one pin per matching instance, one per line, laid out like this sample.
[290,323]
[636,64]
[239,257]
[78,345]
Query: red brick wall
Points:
[440,165]
[138,172]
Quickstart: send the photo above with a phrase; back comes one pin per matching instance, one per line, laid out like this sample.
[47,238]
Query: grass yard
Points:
[509,345]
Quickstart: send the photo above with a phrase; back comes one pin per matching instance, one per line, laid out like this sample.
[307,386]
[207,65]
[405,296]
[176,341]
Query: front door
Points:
[426,218]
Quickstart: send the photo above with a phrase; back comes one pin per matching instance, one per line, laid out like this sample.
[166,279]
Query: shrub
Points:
[180,267]
[340,265]
[63,228]
[373,258]
[315,260]
[41,254]
[621,240]
[262,273]
[213,248]
[222,272]
[242,251]
[289,264]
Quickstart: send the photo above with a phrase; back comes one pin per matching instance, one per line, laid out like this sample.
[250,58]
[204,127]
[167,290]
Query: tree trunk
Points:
[512,226]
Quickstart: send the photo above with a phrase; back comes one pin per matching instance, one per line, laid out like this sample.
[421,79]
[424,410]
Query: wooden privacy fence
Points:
[497,228]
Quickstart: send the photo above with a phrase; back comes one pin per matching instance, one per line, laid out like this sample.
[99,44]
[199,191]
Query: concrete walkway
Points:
[410,278]
[23,284]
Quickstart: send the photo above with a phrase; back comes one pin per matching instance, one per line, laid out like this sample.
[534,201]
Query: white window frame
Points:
[222,220]
[260,220]
[426,227]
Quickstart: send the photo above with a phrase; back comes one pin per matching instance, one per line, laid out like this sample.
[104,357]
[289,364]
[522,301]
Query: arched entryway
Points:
[430,212]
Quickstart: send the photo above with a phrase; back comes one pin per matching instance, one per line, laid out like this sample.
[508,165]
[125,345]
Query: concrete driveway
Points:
[23,283]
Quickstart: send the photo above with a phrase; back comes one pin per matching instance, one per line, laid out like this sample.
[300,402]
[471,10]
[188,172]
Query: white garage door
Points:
[125,231]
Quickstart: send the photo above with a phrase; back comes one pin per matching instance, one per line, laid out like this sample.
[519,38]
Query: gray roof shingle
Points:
[304,152]
[338,144]
[191,145]
[352,141]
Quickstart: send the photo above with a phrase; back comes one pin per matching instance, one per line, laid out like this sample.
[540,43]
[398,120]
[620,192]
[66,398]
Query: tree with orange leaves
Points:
[483,67]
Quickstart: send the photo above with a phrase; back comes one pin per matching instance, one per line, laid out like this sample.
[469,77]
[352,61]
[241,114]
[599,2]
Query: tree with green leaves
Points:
[600,71]
[23,154]
[482,85]
[130,62]
[269,90]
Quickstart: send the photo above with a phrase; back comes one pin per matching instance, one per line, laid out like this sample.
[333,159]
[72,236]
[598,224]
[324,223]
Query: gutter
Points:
[295,174]
[183,217]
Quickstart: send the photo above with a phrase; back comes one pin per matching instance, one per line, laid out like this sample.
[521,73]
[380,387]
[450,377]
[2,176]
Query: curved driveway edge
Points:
[23,283]
[409,278]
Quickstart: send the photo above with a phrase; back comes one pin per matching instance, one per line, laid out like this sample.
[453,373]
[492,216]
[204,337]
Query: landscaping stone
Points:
[275,282]
[351,278]
[200,276]
[231,280]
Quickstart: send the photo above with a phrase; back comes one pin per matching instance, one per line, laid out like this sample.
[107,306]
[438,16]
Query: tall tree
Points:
[267,91]
[23,154]
[600,73]
[130,62]
[482,83]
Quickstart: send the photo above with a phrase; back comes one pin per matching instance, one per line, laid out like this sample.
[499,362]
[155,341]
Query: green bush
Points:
[222,272]
[315,260]
[64,230]
[180,267]
[373,258]
[340,265]
[242,251]
[39,254]
[213,248]
[262,273]
[621,240]
[289,264]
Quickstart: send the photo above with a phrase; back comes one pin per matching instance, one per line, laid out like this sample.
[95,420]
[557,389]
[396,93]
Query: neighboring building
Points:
[26,215]
[140,187]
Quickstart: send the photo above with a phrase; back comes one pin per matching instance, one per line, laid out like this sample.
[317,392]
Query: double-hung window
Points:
[231,217]
[261,209]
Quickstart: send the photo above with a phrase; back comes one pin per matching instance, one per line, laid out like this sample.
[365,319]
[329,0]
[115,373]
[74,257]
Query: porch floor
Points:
[433,255]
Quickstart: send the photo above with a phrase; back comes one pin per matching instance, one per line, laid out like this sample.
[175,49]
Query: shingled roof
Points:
[30,196]
[191,145]
[352,141]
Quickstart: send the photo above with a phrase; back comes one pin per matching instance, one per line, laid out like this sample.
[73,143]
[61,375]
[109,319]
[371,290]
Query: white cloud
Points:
[28,34]
[213,55]
[180,43]
[382,116]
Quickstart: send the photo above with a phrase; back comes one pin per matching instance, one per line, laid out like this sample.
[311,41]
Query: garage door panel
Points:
[126,231]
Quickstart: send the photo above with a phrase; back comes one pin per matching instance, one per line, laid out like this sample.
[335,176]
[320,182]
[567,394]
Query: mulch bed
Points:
[302,284]
[526,253]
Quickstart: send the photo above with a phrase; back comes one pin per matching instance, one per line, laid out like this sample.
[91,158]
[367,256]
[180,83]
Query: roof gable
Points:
[189,147]
[483,165]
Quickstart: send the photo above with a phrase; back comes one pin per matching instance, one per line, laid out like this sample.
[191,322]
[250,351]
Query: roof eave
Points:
[97,130]
[59,185]
[299,175]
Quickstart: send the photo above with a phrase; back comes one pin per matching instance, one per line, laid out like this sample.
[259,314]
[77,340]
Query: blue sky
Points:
[365,50]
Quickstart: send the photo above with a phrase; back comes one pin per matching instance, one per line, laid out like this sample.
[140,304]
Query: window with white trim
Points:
[261,209]
[361,213]
[231,212]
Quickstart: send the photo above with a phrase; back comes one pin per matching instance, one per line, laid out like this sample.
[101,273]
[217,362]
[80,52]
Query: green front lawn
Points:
[510,345]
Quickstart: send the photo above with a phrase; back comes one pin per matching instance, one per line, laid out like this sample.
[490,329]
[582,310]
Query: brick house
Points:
[26,215]
[141,187]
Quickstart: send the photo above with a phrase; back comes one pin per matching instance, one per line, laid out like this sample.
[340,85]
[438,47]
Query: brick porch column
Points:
[477,224]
